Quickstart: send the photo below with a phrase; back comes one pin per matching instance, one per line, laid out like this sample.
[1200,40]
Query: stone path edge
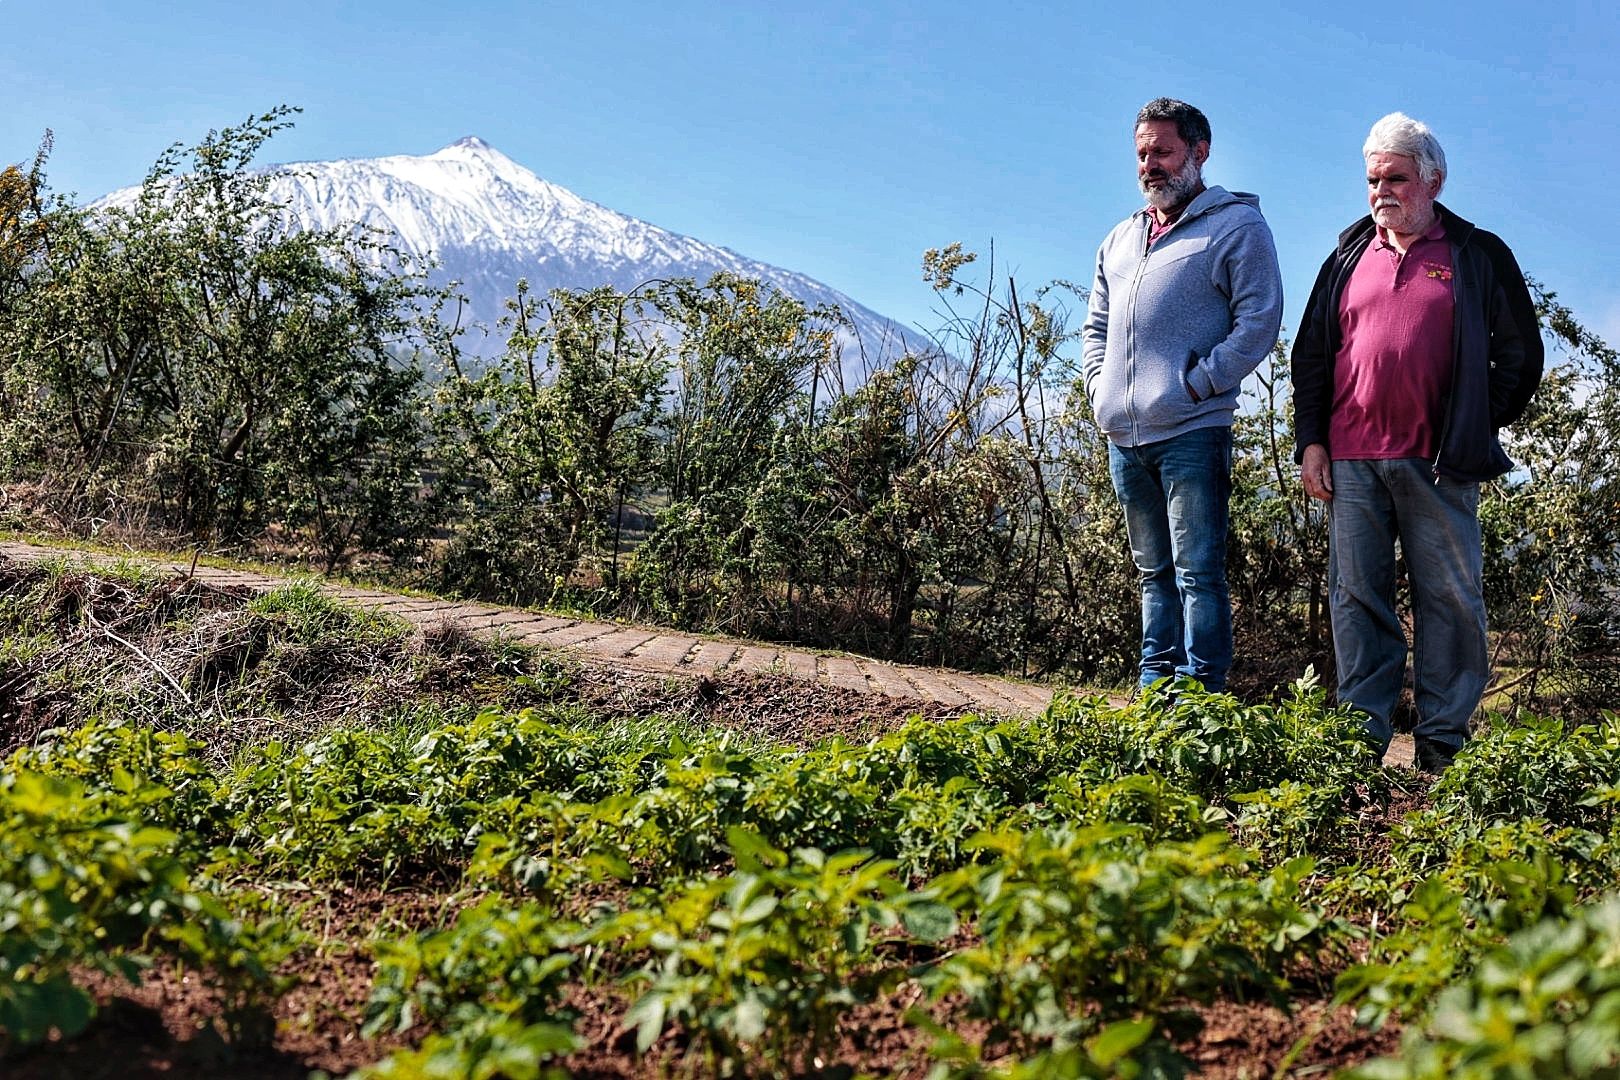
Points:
[645,648]
[641,648]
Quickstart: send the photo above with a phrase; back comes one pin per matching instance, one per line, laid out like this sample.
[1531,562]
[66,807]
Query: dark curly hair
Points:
[1191,125]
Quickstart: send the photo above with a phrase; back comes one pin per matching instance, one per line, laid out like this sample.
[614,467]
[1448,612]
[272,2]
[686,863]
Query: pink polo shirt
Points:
[1393,370]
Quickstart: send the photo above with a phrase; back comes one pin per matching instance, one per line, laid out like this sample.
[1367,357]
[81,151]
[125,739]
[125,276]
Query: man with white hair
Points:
[1186,301]
[1420,342]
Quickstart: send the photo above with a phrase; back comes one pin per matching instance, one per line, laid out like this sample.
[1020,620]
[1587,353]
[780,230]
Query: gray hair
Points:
[1191,125]
[1398,133]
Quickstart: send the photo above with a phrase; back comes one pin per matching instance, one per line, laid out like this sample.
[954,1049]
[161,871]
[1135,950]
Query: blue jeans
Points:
[1175,495]
[1375,504]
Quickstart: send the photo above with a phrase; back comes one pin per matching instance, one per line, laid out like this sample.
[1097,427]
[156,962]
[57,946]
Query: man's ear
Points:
[1201,152]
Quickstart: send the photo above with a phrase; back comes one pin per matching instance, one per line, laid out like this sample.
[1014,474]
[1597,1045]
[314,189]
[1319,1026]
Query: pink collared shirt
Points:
[1156,230]
[1393,370]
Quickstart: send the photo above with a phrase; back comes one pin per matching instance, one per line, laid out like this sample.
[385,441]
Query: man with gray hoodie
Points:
[1186,302]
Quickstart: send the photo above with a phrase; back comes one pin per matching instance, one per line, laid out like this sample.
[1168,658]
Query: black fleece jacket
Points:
[1497,354]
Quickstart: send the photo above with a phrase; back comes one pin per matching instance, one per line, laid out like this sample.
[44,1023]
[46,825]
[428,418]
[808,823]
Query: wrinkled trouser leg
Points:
[1368,641]
[1376,503]
[1176,496]
[1440,538]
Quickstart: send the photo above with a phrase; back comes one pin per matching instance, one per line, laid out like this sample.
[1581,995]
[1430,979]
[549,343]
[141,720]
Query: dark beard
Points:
[1177,189]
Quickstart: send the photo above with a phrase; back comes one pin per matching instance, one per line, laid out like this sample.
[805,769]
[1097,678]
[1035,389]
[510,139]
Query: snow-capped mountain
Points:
[487,221]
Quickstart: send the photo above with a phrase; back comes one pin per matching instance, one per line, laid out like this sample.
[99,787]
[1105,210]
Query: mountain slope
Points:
[487,221]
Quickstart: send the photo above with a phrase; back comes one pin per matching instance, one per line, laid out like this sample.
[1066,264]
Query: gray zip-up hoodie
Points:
[1171,331]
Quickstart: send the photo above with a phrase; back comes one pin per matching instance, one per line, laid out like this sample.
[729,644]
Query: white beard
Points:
[1408,220]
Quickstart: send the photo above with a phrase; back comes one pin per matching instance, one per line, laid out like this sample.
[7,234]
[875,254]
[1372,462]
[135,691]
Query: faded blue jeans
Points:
[1175,495]
[1374,505]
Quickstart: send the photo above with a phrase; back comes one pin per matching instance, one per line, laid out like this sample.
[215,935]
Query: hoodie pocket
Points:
[1186,376]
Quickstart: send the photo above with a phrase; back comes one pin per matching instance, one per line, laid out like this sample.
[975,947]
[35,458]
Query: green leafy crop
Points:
[85,883]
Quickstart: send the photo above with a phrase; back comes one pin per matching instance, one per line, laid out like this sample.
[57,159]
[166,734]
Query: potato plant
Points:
[1052,896]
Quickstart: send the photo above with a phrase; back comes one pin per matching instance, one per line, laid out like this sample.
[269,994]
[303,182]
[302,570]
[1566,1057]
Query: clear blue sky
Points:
[841,139]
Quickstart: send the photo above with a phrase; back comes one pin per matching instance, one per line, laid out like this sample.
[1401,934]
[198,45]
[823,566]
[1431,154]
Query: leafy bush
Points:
[86,883]
[1535,768]
[1159,808]
[1487,884]
[540,448]
[165,780]
[1292,820]
[1544,1004]
[492,984]
[762,963]
[1083,928]
[189,366]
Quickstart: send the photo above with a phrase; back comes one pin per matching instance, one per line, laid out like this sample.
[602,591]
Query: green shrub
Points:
[1544,1004]
[762,963]
[84,883]
[1534,768]
[1083,928]
[1217,747]
[495,970]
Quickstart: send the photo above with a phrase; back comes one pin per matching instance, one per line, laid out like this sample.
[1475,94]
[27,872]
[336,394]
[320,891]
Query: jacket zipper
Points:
[1130,320]
[1456,354]
[1346,267]
[1130,329]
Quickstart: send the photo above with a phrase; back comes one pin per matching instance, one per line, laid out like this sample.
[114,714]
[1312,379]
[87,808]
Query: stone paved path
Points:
[648,649]
[637,648]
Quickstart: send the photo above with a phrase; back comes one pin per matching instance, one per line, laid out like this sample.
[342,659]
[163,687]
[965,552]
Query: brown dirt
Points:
[170,1026]
[172,1023]
[775,707]
[1249,1042]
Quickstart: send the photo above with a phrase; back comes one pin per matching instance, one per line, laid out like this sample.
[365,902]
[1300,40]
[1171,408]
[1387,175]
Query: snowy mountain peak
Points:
[487,221]
[472,148]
